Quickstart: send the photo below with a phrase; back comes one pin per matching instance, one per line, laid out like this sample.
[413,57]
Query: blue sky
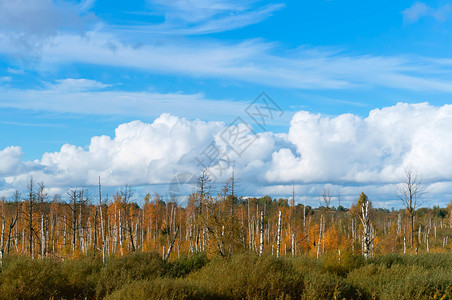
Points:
[71,71]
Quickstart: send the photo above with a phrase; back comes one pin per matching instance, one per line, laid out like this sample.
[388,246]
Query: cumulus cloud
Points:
[152,153]
[140,153]
[10,160]
[351,149]
[346,153]
[419,10]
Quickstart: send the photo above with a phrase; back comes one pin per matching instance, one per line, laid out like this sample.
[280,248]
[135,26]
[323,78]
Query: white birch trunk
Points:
[261,249]
[278,244]
[2,242]
[43,237]
[320,236]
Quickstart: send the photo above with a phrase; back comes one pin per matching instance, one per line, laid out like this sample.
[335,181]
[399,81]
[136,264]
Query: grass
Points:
[242,276]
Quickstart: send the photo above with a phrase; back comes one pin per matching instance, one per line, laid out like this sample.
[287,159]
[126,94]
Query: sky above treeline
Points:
[293,95]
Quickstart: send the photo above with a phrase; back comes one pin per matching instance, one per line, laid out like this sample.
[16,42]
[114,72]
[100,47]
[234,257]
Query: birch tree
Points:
[278,245]
[364,205]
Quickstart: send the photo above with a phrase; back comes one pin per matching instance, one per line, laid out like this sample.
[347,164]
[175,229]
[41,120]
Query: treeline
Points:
[73,225]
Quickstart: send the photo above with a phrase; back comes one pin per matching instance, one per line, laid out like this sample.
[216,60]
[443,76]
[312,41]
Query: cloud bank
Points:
[347,152]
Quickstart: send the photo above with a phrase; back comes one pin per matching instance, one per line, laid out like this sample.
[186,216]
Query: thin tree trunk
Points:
[172,244]
[278,245]
[261,249]
[43,237]
[2,242]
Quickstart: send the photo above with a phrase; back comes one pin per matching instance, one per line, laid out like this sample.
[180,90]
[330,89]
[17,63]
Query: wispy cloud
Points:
[4,79]
[191,21]
[84,96]
[253,61]
[203,17]
[24,124]
[420,10]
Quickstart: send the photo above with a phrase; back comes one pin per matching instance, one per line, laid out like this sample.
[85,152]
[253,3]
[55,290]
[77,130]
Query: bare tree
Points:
[204,188]
[13,221]
[326,198]
[42,198]
[76,202]
[126,195]
[410,192]
[29,211]
[102,229]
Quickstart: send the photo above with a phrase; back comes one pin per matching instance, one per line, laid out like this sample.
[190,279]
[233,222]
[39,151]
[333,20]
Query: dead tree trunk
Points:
[102,231]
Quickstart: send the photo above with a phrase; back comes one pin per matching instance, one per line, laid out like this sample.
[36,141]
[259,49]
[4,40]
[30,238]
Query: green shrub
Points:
[187,264]
[81,276]
[428,261]
[320,285]
[401,281]
[162,288]
[250,276]
[124,270]
[344,264]
[24,278]
[323,278]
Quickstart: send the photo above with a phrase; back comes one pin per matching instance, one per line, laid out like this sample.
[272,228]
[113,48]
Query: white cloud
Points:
[10,160]
[77,85]
[348,148]
[15,71]
[55,31]
[140,153]
[4,79]
[419,10]
[346,153]
[249,61]
[202,17]
[85,96]
[26,25]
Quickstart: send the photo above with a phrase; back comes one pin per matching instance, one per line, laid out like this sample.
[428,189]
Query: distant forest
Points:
[37,225]
[221,247]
